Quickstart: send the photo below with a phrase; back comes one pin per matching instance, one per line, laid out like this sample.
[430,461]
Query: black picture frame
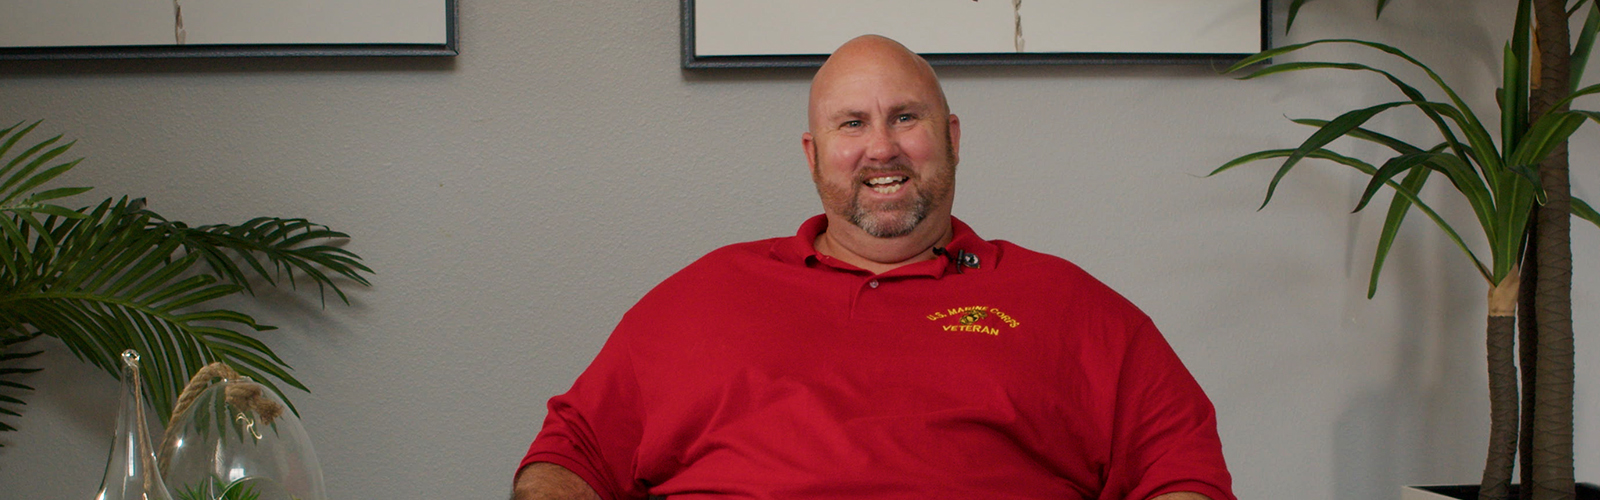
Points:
[692,60]
[448,48]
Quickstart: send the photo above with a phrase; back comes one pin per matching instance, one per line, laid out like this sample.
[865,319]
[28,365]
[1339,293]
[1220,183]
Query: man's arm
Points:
[547,481]
[1182,495]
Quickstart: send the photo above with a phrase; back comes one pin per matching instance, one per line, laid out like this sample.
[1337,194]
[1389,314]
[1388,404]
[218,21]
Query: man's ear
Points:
[809,143]
[954,125]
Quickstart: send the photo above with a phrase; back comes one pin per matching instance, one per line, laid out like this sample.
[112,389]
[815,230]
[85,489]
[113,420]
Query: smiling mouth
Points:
[886,184]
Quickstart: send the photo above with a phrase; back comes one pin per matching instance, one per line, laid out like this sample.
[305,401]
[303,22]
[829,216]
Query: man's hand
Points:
[547,481]
[1182,495]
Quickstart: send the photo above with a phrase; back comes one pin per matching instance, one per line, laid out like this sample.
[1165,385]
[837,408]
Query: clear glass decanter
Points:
[131,468]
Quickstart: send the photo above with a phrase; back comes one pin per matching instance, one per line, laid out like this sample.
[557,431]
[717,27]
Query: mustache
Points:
[897,167]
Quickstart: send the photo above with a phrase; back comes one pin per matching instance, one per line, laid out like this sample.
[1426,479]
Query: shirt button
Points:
[873,283]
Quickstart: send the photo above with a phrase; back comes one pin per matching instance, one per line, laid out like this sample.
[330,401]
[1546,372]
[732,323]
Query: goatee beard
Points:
[891,221]
[896,219]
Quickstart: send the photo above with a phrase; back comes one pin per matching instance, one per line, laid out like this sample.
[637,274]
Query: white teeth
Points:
[887,184]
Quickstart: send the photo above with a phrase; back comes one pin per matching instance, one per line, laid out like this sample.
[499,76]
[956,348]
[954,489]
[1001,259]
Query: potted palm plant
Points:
[116,275]
[1513,186]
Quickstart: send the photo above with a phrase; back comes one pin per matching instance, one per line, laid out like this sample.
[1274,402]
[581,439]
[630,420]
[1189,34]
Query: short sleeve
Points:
[1164,433]
[594,428]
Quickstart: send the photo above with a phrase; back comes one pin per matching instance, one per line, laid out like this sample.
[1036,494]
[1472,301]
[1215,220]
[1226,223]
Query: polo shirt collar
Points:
[965,245]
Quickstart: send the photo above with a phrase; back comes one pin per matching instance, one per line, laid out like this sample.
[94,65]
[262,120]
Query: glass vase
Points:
[238,440]
[131,472]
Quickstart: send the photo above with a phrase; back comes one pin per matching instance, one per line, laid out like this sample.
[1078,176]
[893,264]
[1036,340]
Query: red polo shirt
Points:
[766,370]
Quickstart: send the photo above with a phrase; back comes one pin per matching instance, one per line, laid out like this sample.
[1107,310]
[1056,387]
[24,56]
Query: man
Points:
[885,351]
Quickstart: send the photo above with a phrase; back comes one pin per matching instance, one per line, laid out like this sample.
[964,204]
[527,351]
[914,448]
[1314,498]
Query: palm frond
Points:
[15,183]
[115,284]
[118,276]
[9,355]
[285,244]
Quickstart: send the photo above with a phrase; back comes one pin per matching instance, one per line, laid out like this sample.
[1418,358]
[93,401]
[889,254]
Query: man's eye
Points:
[851,124]
[905,118]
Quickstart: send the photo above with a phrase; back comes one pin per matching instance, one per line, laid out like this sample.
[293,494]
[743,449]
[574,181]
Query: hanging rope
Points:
[243,397]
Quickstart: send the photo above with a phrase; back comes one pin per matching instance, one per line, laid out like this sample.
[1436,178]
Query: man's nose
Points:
[882,145]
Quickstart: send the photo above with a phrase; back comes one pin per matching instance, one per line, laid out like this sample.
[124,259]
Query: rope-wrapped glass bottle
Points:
[131,467]
[235,440]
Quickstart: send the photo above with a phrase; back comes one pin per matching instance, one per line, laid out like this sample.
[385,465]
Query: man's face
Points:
[883,147]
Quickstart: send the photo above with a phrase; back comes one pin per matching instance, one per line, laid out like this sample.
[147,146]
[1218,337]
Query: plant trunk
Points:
[1501,342]
[1528,345]
[1552,436]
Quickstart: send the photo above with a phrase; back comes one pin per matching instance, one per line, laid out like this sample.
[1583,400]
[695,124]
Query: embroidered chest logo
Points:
[978,319]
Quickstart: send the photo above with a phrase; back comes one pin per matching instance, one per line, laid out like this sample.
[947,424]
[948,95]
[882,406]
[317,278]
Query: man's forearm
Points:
[547,481]
[1182,495]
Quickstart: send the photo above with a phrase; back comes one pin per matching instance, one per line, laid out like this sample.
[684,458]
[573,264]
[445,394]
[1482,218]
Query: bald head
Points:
[873,59]
[882,147]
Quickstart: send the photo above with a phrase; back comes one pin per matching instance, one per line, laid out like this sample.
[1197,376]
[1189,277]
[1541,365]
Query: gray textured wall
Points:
[517,199]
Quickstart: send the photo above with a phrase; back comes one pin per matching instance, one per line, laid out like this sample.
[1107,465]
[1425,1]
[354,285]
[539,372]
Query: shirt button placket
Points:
[860,295]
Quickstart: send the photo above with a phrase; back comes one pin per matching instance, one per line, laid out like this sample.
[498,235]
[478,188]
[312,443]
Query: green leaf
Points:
[1335,129]
[25,176]
[1585,45]
[1294,10]
[25,154]
[58,211]
[1550,131]
[12,139]
[8,356]
[12,356]
[1584,211]
[1266,55]
[1391,168]
[1472,187]
[143,261]
[42,177]
[1302,66]
[1398,145]
[1514,202]
[161,282]
[57,193]
[1513,107]
[1586,113]
[230,336]
[250,361]
[1476,135]
[1576,94]
[1517,74]
[1368,169]
[199,296]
